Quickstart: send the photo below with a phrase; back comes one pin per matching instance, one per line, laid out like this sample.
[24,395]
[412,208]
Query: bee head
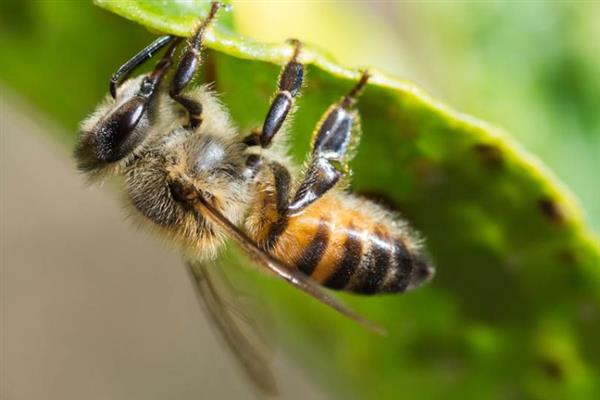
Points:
[121,123]
[117,127]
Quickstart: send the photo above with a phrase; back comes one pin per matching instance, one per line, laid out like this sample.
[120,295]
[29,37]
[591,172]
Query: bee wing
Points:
[225,316]
[293,276]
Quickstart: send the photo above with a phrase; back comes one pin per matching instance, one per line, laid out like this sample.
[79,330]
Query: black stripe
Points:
[378,262]
[275,231]
[282,186]
[313,253]
[344,270]
[404,268]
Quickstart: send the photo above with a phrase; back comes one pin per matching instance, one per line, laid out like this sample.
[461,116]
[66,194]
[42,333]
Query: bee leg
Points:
[290,82]
[333,145]
[282,184]
[280,176]
[282,181]
[279,189]
[187,68]
[144,55]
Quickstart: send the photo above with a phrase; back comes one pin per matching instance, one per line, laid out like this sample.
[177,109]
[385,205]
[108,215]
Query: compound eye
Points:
[116,133]
[127,117]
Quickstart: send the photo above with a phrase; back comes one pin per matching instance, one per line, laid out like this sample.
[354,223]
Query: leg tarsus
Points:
[280,107]
[289,85]
[145,54]
[333,137]
[331,149]
[350,99]
[321,176]
[187,68]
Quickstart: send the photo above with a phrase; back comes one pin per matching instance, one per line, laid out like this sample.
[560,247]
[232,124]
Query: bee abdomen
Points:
[370,263]
[345,249]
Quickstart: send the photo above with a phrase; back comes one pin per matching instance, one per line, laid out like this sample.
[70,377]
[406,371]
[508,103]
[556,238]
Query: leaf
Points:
[515,306]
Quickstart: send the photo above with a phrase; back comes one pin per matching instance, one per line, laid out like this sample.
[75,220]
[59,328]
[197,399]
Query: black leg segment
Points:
[290,82]
[136,60]
[333,146]
[282,181]
[187,68]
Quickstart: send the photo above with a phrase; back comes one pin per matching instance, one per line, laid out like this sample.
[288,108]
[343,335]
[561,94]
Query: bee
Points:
[190,174]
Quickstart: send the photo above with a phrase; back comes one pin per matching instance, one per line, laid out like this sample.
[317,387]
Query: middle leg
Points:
[290,82]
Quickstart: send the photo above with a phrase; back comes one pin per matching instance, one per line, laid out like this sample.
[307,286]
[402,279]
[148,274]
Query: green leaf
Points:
[515,306]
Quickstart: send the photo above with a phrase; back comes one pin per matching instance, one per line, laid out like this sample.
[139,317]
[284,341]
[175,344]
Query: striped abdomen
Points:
[349,244]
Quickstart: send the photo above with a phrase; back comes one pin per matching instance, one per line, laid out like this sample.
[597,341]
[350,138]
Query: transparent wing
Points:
[234,325]
[293,276]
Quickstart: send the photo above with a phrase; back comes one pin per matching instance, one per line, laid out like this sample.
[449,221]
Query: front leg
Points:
[187,68]
[333,145]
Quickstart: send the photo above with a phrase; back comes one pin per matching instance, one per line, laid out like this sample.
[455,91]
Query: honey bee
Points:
[191,175]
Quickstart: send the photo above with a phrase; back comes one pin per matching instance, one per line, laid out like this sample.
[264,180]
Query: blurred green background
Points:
[530,67]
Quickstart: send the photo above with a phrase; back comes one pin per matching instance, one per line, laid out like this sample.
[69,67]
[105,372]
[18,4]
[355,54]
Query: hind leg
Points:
[333,144]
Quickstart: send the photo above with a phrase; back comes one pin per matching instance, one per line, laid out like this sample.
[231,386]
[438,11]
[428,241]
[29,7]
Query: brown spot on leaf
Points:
[490,155]
[427,174]
[551,210]
[567,256]
[553,369]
